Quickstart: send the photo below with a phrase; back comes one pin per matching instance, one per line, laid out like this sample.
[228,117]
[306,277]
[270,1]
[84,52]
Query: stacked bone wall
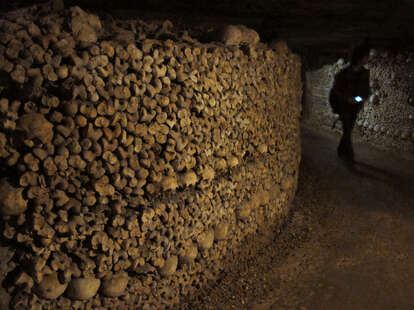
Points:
[387,118]
[135,160]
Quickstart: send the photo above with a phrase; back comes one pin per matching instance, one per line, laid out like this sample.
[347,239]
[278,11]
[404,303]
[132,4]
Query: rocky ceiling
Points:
[324,27]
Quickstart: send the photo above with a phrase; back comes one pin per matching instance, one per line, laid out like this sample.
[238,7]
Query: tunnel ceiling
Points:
[319,26]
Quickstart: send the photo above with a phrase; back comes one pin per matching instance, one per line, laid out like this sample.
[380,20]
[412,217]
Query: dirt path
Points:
[348,245]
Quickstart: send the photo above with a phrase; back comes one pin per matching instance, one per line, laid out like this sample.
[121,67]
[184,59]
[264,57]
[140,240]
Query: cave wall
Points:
[134,159]
[387,119]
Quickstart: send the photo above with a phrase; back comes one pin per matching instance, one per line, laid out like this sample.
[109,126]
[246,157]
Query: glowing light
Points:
[358,99]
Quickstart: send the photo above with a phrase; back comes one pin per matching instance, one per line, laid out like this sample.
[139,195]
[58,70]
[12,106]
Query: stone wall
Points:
[134,159]
[387,119]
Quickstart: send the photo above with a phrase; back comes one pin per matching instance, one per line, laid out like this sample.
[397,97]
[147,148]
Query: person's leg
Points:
[345,149]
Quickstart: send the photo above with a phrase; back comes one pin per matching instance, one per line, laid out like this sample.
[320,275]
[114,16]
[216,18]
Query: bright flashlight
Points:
[358,99]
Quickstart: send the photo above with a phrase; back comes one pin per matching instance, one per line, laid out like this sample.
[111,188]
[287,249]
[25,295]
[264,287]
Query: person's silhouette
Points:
[348,94]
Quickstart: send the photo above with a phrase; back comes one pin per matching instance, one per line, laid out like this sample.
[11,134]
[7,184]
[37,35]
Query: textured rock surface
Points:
[35,125]
[114,285]
[170,266]
[50,287]
[85,26]
[147,143]
[11,199]
[239,34]
[83,288]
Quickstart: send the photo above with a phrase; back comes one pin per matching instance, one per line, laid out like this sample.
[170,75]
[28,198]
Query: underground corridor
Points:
[250,155]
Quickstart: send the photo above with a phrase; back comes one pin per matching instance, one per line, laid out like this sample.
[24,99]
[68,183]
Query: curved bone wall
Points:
[135,159]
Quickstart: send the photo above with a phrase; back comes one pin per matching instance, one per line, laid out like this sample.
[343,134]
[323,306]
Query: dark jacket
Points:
[347,85]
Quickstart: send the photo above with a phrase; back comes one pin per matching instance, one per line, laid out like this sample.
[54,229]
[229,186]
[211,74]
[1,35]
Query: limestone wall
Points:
[135,159]
[387,119]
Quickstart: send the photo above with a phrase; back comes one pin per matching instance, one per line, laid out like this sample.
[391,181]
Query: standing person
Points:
[348,94]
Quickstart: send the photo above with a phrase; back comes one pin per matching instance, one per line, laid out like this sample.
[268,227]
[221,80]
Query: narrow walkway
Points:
[348,245]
